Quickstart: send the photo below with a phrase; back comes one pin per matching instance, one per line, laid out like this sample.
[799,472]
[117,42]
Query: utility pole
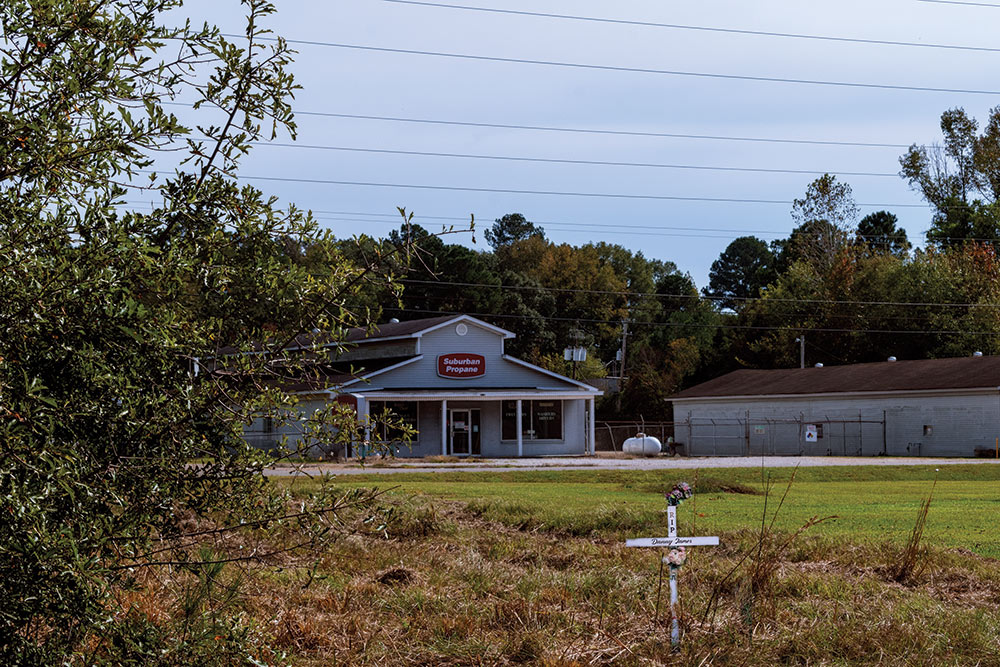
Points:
[621,366]
[801,340]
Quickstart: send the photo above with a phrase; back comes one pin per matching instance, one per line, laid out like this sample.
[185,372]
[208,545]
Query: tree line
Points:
[856,286]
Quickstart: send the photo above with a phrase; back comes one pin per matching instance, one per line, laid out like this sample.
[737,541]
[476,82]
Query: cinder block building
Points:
[934,407]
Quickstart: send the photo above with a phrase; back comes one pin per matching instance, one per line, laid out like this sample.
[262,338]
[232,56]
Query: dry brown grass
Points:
[446,587]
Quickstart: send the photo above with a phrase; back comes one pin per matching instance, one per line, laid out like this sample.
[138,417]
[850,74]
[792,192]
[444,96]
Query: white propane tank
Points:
[642,444]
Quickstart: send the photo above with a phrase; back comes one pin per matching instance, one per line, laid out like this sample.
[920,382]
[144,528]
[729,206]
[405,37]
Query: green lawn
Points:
[872,504]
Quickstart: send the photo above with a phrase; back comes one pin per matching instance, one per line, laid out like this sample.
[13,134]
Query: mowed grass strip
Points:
[872,505]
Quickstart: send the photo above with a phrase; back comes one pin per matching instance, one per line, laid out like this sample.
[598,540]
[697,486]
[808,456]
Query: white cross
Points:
[672,542]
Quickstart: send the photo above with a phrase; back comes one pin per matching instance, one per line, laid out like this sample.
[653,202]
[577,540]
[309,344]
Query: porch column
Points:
[444,427]
[520,437]
[592,427]
[362,448]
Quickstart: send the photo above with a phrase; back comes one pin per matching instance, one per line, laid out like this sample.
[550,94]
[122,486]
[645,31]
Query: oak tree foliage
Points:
[133,342]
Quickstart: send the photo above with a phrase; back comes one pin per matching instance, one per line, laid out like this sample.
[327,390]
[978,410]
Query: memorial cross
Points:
[678,551]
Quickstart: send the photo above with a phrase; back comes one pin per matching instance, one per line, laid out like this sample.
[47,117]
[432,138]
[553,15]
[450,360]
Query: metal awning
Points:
[473,394]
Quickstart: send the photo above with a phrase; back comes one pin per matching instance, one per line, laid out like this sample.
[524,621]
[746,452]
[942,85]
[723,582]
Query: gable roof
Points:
[883,376]
[416,328]
[562,378]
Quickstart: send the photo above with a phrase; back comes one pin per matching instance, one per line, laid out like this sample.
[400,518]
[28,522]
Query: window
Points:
[398,411]
[546,420]
[508,421]
[540,420]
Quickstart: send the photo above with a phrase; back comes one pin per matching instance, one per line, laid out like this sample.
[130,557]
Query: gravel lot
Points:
[600,462]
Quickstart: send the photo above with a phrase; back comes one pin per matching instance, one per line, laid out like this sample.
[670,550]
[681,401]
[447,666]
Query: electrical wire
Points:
[577,226]
[951,2]
[635,70]
[580,227]
[558,193]
[592,228]
[584,130]
[690,325]
[455,301]
[735,31]
[745,299]
[604,163]
[576,231]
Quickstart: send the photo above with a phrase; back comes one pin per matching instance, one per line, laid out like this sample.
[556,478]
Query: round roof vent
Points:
[394,320]
[461,329]
[891,359]
[819,365]
[977,353]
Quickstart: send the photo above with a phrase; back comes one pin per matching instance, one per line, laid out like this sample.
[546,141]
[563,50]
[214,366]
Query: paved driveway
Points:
[607,463]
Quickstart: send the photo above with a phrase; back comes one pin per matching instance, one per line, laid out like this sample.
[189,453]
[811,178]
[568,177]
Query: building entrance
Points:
[465,432]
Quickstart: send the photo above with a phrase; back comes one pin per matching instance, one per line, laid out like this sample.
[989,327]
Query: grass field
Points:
[510,568]
[871,504]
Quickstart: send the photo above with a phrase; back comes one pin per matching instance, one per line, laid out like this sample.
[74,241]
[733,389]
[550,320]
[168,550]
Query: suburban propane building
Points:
[450,379]
[936,407]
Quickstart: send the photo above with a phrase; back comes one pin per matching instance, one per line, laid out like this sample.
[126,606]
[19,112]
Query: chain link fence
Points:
[754,436]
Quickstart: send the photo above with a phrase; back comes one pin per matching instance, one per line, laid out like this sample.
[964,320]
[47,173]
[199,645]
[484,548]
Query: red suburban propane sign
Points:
[461,365]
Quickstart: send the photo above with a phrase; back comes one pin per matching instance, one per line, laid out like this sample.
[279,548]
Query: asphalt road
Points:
[606,463]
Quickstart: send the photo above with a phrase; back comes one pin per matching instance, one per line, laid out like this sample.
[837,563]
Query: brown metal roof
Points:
[357,334]
[332,376]
[379,332]
[926,374]
[394,329]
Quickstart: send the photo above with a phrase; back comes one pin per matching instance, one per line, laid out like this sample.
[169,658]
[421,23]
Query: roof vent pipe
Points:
[819,365]
[977,353]
[394,320]
[891,359]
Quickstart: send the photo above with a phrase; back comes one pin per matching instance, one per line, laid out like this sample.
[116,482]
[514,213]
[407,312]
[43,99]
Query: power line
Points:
[636,70]
[394,219]
[791,329]
[584,227]
[397,219]
[572,230]
[598,195]
[584,130]
[735,31]
[604,163]
[607,227]
[453,300]
[700,297]
[616,227]
[944,2]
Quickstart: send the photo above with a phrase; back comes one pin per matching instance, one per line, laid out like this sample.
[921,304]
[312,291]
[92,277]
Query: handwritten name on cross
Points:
[678,552]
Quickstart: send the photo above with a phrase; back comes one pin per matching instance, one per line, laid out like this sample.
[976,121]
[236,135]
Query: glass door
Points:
[461,433]
[475,435]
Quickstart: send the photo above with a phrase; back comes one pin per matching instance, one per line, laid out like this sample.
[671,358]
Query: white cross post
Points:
[678,553]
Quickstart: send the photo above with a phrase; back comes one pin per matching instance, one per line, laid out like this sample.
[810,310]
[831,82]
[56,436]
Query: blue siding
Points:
[500,373]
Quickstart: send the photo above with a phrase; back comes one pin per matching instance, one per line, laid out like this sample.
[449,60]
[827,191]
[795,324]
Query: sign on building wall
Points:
[461,365]
[811,433]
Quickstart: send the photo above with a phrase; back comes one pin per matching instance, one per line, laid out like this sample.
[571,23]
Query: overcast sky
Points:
[348,81]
